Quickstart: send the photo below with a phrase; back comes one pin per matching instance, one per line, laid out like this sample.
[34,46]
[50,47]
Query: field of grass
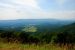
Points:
[15,46]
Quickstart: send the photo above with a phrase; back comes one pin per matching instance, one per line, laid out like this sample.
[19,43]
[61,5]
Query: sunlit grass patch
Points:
[17,46]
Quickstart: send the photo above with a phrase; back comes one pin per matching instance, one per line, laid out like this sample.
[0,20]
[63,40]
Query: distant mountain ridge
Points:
[40,23]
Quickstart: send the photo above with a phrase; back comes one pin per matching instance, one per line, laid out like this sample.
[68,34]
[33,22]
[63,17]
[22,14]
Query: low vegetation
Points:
[18,46]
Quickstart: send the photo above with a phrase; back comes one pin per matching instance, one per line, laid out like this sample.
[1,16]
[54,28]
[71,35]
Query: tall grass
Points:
[17,46]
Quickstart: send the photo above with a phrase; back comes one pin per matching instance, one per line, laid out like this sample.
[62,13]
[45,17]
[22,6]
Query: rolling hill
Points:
[41,24]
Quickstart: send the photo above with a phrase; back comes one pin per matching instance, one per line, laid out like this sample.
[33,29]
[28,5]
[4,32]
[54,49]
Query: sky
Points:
[37,9]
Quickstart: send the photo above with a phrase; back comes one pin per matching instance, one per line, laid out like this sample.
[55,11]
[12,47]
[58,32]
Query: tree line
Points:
[64,37]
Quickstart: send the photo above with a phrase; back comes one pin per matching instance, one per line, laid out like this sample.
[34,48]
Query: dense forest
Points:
[44,33]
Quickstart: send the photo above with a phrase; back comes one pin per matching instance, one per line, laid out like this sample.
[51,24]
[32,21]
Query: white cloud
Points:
[65,15]
[31,3]
[24,3]
[6,5]
[29,9]
[8,14]
[57,15]
[21,13]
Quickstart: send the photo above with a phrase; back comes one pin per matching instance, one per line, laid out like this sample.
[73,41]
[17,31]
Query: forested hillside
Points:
[38,33]
[45,33]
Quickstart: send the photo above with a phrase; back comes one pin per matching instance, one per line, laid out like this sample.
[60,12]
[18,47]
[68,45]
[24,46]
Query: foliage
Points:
[63,35]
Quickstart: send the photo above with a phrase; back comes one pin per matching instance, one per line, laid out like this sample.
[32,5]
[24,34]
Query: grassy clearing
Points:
[15,46]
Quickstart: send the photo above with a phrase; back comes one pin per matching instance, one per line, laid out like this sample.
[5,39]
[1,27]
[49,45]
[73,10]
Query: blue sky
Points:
[37,9]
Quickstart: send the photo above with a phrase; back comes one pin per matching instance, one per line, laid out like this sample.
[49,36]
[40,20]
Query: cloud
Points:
[29,9]
[15,3]
[35,14]
[57,15]
[26,2]
[17,9]
[6,5]
[31,3]
[8,14]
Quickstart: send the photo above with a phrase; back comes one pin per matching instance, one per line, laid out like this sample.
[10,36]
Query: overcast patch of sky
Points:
[37,9]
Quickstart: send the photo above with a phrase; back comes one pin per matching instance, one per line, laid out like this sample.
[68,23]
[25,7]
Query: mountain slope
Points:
[67,28]
[41,24]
